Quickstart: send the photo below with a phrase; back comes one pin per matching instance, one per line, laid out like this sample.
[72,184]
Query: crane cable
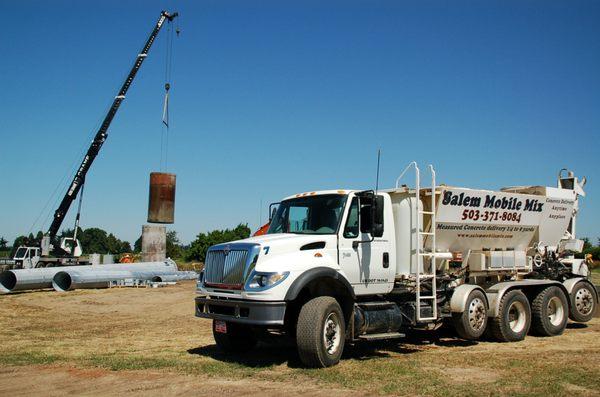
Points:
[164,141]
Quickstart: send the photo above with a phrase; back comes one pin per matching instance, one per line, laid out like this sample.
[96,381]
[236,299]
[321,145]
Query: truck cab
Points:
[26,257]
[340,266]
[310,233]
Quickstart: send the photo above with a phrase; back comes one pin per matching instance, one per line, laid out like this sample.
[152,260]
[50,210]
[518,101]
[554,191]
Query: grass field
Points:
[127,341]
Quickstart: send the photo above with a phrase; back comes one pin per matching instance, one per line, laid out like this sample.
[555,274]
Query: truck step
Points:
[385,335]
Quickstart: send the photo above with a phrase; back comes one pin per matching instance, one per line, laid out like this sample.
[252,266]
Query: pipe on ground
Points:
[75,279]
[99,277]
[26,279]
[184,275]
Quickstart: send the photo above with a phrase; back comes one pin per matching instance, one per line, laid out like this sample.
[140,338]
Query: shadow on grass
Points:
[283,351]
[26,291]
[443,336]
[576,325]
[264,355]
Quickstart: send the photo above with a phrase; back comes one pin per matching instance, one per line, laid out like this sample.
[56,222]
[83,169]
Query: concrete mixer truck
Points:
[341,266]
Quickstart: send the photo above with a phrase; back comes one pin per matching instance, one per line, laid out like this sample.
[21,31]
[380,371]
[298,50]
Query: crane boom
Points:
[102,133]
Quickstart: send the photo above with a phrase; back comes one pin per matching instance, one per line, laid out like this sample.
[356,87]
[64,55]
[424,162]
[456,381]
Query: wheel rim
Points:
[584,301]
[516,317]
[556,311]
[331,333]
[477,314]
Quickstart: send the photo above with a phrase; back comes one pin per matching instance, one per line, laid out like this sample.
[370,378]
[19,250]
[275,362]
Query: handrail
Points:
[406,169]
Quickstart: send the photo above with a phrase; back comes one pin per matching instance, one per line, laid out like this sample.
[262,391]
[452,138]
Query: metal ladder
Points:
[421,274]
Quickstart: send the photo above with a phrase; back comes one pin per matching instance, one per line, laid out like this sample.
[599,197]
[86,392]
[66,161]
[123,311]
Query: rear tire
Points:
[549,312]
[320,332]
[239,338]
[471,323]
[583,302]
[513,319]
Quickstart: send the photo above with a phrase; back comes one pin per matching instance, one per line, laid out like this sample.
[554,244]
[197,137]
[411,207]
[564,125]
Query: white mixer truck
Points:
[343,266]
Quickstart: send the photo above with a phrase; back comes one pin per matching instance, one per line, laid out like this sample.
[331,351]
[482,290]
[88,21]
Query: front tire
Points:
[549,312]
[239,338]
[320,332]
[513,319]
[583,302]
[471,323]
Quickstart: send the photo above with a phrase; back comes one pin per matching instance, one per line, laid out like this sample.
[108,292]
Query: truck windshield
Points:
[20,253]
[309,215]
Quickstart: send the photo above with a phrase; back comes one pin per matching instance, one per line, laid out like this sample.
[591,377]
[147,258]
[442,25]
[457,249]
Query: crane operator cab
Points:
[71,246]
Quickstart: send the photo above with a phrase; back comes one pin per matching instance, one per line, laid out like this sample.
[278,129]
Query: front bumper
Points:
[241,311]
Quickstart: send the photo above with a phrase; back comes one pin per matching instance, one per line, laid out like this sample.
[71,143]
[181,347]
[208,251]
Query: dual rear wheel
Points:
[546,316]
[583,302]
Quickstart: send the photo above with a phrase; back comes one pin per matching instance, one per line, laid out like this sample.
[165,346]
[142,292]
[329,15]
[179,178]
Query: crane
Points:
[71,245]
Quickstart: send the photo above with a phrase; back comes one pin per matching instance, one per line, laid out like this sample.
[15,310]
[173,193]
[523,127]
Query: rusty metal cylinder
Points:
[161,201]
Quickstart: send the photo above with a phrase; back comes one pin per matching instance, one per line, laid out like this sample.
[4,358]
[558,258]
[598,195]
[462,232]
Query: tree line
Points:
[98,241]
[589,248]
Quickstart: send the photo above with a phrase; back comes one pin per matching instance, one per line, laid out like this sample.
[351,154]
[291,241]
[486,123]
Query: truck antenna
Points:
[377,177]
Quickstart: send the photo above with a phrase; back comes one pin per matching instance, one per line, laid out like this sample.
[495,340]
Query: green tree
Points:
[97,241]
[174,249]
[3,244]
[198,248]
[137,246]
[19,241]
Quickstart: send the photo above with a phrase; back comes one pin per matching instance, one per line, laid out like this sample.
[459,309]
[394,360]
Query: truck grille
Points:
[225,269]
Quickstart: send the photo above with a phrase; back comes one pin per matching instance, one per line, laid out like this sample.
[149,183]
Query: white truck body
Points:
[399,258]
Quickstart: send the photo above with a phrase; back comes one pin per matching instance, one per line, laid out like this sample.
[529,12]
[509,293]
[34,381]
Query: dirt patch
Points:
[60,381]
[470,375]
[128,341]
[580,390]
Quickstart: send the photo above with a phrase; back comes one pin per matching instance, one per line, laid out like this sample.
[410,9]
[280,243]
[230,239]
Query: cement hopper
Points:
[499,226]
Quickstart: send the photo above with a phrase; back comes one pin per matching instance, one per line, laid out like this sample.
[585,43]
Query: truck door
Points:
[367,265]
[34,257]
[28,260]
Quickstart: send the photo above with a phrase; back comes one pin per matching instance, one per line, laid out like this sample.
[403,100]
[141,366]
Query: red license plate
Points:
[220,326]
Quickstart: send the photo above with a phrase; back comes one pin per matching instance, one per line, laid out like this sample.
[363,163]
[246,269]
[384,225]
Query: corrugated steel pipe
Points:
[100,277]
[74,279]
[25,279]
[184,275]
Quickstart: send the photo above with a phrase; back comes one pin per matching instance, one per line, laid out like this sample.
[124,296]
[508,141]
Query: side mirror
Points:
[273,210]
[378,217]
[371,213]
[366,212]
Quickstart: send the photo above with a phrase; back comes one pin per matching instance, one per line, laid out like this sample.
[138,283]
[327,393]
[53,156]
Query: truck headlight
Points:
[259,281]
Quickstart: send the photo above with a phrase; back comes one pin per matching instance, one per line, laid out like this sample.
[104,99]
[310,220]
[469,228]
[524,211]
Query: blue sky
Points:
[270,98]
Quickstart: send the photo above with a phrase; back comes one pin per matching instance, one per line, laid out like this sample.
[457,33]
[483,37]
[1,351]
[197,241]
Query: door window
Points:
[351,228]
